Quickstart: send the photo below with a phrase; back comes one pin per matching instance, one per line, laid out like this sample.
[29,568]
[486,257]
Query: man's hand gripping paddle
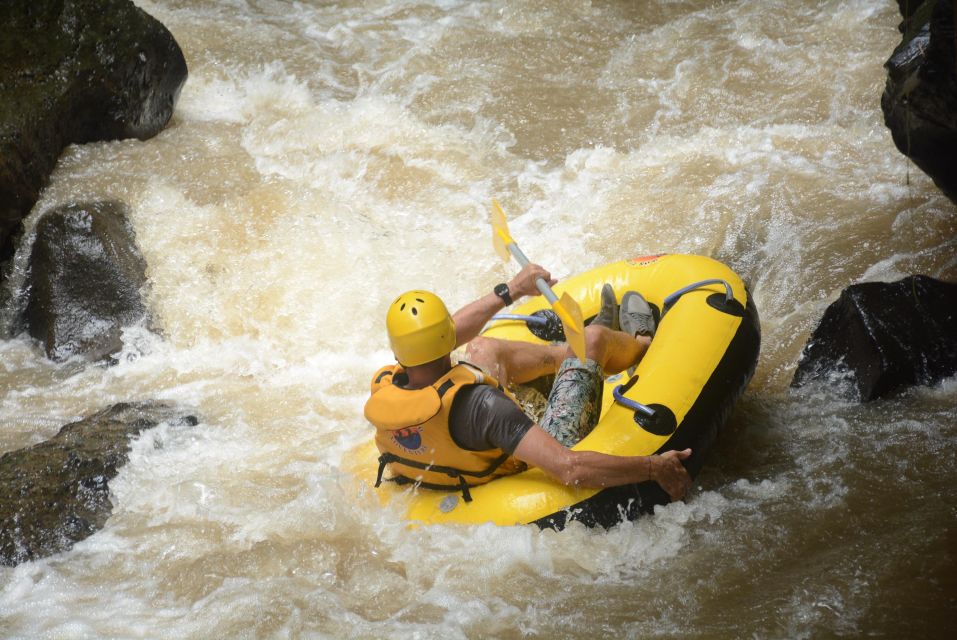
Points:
[567,309]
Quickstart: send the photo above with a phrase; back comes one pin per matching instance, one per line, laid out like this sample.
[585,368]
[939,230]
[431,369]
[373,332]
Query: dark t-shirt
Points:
[483,418]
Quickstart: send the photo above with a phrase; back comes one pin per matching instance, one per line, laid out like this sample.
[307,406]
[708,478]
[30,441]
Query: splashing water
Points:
[324,157]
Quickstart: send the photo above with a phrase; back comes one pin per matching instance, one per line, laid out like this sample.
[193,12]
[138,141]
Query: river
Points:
[325,156]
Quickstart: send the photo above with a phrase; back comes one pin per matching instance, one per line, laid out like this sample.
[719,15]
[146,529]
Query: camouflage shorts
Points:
[574,403]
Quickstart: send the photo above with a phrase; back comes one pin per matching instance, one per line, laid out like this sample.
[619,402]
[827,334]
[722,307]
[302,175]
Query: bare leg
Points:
[515,362]
[615,351]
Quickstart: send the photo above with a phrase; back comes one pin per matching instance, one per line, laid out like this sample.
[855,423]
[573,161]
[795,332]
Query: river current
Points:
[324,157]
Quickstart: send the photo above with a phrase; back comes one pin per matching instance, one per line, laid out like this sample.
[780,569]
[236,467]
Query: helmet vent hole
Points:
[415,311]
[402,308]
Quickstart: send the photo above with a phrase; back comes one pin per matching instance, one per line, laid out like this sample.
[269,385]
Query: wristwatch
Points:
[501,290]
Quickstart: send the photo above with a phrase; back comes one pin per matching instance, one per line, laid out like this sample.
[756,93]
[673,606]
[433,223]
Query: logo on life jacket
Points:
[409,439]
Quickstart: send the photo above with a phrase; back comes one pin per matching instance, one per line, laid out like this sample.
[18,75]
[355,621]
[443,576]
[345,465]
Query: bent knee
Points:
[596,341]
[483,351]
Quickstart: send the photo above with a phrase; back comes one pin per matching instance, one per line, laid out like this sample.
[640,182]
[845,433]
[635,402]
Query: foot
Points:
[608,314]
[636,318]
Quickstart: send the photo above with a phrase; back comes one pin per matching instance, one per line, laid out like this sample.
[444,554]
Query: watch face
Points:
[501,290]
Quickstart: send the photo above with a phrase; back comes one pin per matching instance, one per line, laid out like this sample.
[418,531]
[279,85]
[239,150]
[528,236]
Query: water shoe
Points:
[608,314]
[635,315]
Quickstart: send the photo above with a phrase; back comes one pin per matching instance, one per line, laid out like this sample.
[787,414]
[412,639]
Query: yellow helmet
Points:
[420,328]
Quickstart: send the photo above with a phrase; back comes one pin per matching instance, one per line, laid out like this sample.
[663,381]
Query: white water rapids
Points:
[324,157]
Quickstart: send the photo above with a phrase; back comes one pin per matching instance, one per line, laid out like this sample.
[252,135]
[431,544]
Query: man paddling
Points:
[455,426]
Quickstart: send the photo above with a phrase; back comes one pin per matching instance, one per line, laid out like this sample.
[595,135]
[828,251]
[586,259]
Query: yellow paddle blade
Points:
[567,309]
[574,324]
[500,235]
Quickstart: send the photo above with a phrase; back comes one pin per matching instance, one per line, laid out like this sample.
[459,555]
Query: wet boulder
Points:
[885,336]
[56,493]
[85,280]
[920,96]
[75,71]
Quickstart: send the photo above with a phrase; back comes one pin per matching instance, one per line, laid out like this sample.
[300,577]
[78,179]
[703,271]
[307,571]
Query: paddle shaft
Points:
[567,309]
[539,282]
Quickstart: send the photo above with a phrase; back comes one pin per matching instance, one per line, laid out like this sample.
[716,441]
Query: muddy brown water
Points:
[325,157]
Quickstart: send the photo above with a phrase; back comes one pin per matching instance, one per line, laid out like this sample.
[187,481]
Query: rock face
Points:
[920,98]
[55,493]
[887,335]
[85,280]
[74,71]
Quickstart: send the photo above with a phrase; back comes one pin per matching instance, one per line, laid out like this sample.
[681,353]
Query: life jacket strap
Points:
[464,486]
[384,459]
[452,472]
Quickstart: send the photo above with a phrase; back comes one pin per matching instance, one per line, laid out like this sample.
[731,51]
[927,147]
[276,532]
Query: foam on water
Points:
[242,94]
[324,158]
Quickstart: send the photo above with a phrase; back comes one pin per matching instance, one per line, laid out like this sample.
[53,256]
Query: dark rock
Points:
[920,97]
[74,71]
[886,335]
[56,493]
[908,8]
[85,277]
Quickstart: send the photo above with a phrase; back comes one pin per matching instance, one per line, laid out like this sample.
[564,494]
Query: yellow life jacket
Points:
[412,432]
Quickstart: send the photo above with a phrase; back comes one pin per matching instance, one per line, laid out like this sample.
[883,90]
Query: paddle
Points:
[567,309]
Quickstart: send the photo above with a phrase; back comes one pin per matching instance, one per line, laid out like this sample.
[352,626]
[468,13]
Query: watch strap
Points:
[501,290]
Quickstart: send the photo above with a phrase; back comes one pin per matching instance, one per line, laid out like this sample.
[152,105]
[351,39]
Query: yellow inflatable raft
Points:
[701,359]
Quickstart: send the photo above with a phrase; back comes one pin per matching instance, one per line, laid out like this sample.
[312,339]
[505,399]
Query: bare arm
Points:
[470,319]
[594,470]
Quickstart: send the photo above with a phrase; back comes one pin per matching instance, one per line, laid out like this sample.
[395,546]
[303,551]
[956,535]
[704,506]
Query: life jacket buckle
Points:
[464,486]
[384,459]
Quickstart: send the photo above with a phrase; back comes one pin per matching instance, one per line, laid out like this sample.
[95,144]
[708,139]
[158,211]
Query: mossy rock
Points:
[75,71]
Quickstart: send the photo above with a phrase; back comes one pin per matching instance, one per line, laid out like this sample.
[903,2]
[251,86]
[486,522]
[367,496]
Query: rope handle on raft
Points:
[619,394]
[517,316]
[543,324]
[729,294]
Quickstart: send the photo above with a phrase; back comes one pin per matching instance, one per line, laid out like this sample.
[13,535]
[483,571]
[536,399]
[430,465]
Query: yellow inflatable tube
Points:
[702,357]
